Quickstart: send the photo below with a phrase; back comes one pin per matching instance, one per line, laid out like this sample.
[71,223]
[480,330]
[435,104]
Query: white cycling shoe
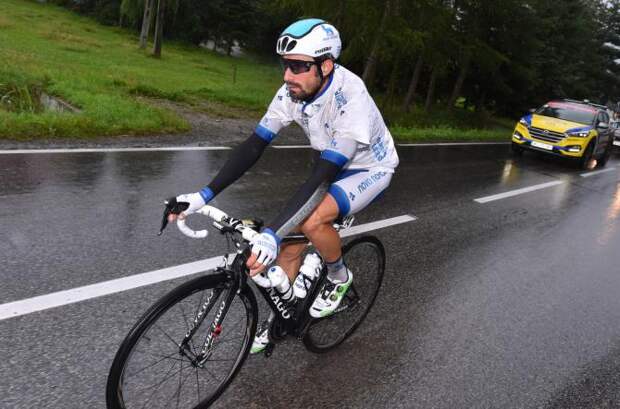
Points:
[330,296]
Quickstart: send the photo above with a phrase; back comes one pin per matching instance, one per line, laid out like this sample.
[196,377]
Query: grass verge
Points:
[101,71]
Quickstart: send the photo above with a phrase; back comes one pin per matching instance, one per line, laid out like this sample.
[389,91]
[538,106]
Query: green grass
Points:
[101,71]
[448,134]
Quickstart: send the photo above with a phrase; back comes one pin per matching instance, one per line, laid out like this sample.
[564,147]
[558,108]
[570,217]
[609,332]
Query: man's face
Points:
[306,82]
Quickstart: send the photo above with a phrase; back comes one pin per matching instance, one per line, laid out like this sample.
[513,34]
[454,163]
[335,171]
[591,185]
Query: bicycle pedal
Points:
[269,349]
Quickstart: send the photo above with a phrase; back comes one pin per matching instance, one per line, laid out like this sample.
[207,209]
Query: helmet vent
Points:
[284,42]
[291,45]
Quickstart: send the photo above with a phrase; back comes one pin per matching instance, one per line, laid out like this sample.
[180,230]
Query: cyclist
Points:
[354,164]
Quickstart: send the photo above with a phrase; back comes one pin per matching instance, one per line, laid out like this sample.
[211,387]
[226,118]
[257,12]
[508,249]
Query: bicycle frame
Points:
[291,319]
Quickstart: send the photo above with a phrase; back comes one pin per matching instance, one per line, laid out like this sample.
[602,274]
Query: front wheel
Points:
[159,365]
[588,156]
[516,149]
[365,257]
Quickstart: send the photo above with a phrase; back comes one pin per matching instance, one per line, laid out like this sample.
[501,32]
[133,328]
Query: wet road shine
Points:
[505,303]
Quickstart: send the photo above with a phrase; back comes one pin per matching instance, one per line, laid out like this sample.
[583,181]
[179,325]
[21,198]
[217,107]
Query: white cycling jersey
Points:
[343,110]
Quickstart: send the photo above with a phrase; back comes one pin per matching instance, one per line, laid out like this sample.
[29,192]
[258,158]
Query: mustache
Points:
[288,84]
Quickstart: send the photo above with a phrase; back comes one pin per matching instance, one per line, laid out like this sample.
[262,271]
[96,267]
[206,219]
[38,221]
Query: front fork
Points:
[215,328]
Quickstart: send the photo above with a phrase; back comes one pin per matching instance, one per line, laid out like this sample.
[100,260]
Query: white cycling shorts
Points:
[354,189]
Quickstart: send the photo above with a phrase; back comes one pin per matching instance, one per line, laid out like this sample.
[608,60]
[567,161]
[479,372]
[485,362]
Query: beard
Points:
[299,95]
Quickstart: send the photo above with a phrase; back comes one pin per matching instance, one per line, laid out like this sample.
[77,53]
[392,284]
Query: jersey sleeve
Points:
[340,151]
[278,116]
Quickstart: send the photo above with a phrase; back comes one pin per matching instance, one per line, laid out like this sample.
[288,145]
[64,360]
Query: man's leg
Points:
[290,259]
[318,227]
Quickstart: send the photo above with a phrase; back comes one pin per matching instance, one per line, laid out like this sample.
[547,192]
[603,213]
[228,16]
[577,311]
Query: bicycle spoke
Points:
[155,363]
[168,336]
[211,373]
[197,385]
[156,386]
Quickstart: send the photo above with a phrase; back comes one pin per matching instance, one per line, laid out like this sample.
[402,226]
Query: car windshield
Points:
[582,114]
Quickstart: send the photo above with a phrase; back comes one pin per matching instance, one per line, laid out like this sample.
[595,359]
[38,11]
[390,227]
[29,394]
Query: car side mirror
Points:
[603,125]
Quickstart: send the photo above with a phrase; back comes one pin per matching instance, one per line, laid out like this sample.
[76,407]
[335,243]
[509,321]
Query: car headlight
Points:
[581,134]
[522,121]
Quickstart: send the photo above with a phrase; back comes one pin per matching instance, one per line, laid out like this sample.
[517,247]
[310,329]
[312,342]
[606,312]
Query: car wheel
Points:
[516,149]
[607,153]
[588,155]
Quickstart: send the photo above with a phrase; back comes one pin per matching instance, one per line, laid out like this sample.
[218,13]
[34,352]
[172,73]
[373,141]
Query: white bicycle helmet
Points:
[313,37]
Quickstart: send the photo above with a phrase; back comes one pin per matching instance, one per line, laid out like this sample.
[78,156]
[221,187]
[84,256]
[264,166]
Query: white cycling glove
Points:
[195,200]
[265,247]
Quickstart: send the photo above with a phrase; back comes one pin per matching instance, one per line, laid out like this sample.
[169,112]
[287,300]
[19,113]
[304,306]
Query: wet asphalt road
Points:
[509,304]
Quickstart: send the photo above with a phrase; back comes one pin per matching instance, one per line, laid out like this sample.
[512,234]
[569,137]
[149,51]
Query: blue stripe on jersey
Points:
[341,199]
[264,133]
[207,194]
[335,157]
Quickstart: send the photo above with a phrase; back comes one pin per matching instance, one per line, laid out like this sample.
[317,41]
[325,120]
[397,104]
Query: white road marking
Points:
[452,143]
[74,295]
[91,150]
[363,228]
[585,175]
[517,192]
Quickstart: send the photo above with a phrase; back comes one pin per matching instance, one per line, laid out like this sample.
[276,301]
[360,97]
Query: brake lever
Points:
[172,207]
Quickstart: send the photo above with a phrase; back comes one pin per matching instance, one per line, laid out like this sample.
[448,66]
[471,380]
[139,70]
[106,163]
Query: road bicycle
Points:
[187,348]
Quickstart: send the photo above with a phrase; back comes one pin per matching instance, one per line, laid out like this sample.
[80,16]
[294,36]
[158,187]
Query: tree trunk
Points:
[431,90]
[146,23]
[159,29]
[371,61]
[456,91]
[391,88]
[342,6]
[413,85]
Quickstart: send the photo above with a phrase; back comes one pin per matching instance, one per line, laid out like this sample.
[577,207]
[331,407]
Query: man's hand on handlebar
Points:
[264,251]
[180,206]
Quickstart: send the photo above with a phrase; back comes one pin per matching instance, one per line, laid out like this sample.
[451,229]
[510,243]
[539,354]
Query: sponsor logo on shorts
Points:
[370,180]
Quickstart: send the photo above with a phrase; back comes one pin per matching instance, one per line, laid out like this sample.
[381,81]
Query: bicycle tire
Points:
[365,257]
[243,309]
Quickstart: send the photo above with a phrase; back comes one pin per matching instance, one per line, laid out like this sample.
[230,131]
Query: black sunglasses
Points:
[297,66]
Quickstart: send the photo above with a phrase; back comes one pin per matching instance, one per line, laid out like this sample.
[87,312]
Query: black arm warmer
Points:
[240,160]
[307,198]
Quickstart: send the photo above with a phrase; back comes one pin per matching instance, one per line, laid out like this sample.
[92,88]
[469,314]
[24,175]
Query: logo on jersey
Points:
[351,196]
[341,100]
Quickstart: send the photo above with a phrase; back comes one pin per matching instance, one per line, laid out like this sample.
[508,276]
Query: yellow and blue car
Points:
[568,128]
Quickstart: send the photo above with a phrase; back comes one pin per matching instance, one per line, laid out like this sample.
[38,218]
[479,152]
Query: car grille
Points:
[546,135]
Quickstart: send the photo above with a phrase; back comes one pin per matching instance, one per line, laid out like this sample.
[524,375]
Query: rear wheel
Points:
[365,257]
[607,154]
[151,368]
